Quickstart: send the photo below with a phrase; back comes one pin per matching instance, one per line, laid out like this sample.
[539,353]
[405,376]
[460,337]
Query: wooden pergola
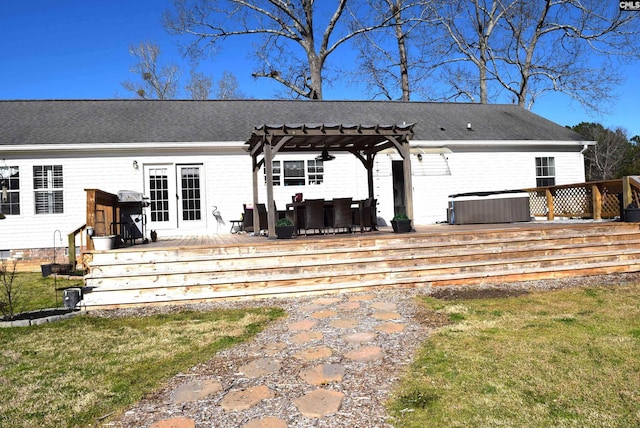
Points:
[363,141]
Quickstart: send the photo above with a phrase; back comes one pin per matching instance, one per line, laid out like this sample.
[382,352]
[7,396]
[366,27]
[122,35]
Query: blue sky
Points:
[78,49]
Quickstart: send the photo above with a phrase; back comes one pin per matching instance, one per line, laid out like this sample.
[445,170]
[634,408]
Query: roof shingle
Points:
[123,121]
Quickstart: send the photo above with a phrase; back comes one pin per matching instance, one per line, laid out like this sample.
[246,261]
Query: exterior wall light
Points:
[135,164]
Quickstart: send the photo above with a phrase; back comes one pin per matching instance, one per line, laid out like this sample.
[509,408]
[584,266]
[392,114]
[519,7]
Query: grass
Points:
[72,373]
[36,292]
[548,359]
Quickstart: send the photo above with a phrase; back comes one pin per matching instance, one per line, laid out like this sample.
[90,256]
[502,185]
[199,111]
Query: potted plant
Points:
[401,223]
[284,228]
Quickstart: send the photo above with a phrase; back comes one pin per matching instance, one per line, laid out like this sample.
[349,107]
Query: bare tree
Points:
[568,46]
[468,54]
[157,82]
[199,86]
[228,87]
[527,48]
[607,158]
[293,48]
[387,60]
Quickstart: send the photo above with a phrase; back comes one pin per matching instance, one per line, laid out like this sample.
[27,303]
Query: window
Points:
[10,190]
[292,173]
[545,172]
[275,171]
[47,185]
[315,171]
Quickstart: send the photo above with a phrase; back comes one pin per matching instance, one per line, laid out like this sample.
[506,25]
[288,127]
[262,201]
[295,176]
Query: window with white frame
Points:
[545,171]
[275,172]
[315,171]
[10,190]
[47,186]
[294,173]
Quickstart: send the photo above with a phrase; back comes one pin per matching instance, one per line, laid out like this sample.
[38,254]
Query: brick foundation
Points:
[30,259]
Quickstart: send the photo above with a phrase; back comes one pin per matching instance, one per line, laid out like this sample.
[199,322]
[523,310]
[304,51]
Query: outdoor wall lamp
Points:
[135,164]
[420,157]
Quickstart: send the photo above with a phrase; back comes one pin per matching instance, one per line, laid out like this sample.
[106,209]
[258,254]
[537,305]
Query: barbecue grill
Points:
[133,220]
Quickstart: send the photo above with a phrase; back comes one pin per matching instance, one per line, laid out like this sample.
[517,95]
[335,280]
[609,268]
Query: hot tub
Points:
[489,207]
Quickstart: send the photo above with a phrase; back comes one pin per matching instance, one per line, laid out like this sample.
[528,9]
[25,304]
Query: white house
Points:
[190,157]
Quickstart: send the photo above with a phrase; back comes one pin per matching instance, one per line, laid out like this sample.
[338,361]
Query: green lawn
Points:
[72,372]
[35,292]
[568,357]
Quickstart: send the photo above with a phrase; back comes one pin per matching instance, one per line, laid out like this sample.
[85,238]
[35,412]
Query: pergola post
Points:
[369,166]
[268,168]
[405,151]
[256,215]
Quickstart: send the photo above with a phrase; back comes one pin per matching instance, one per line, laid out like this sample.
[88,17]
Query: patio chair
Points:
[248,218]
[342,215]
[314,215]
[370,217]
[280,214]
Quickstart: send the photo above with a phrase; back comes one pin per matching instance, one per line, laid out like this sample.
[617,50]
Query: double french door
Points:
[176,196]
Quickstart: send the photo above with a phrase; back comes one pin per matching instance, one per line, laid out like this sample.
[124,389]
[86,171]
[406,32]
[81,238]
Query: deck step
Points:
[148,276]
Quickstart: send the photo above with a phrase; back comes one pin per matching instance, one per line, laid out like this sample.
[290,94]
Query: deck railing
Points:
[596,199]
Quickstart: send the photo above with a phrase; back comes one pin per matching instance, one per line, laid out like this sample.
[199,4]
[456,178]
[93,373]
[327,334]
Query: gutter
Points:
[125,147]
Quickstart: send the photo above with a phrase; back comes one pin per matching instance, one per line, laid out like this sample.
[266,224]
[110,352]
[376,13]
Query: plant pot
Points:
[49,268]
[284,232]
[103,242]
[401,226]
[632,215]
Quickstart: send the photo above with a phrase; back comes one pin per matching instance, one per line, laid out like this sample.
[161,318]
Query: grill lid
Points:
[130,196]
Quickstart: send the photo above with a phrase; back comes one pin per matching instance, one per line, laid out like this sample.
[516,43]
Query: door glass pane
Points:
[190,181]
[159,194]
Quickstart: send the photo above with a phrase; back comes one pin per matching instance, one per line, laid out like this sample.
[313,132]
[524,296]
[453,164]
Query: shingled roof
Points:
[124,121]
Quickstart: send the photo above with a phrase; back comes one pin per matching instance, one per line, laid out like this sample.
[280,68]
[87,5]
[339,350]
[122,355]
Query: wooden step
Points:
[347,243]
[167,275]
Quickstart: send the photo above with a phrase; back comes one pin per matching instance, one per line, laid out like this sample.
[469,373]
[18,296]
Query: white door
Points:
[190,197]
[176,197]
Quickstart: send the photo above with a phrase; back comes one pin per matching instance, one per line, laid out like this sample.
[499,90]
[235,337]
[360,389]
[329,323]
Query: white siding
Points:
[228,183]
[470,172]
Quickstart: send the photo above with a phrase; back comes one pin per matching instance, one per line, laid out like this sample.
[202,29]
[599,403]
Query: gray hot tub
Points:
[489,207]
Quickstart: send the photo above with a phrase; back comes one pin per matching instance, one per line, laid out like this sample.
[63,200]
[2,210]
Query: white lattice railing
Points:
[596,199]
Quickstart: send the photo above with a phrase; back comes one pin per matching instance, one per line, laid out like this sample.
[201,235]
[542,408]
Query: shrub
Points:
[284,222]
[9,292]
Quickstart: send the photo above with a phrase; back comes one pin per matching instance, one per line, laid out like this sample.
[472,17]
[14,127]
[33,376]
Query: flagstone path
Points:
[332,362]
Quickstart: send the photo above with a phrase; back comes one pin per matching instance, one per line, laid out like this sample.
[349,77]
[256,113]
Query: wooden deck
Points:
[204,267]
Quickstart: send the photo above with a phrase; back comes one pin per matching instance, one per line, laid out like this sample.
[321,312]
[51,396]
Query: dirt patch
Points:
[470,293]
[431,319]
[515,289]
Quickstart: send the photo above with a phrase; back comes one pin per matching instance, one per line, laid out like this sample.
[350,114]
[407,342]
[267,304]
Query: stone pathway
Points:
[315,369]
